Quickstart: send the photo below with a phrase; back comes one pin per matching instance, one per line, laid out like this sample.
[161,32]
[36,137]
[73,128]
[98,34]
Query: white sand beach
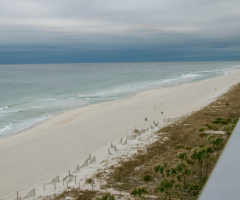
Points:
[37,155]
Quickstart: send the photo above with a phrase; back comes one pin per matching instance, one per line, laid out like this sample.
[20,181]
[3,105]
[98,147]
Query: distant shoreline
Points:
[119,62]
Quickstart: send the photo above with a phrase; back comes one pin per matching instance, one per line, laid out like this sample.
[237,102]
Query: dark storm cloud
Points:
[161,29]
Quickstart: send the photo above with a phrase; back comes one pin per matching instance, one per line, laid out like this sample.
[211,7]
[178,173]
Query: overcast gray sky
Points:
[53,31]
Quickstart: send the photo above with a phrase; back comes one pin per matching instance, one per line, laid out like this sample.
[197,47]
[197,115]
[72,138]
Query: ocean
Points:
[31,94]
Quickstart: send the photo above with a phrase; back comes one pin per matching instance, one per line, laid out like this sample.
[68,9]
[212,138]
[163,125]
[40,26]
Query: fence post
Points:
[53,181]
[58,178]
[55,186]
[67,184]
[75,180]
[44,186]
[79,186]
[17,195]
[34,192]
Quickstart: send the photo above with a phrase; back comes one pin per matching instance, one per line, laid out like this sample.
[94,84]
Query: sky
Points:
[78,31]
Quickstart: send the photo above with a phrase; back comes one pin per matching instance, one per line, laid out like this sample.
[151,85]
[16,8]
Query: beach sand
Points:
[37,155]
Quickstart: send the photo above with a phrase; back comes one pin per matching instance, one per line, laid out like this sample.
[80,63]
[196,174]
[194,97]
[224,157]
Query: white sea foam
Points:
[168,80]
[190,75]
[222,70]
[3,108]
[15,127]
[135,87]
[10,111]
[6,128]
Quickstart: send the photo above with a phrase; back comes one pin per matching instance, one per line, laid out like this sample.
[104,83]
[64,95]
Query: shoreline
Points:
[63,141]
[127,98]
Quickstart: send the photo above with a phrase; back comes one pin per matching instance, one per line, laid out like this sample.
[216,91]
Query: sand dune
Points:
[35,156]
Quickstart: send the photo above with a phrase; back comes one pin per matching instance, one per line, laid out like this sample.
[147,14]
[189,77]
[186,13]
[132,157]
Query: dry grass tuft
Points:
[136,131]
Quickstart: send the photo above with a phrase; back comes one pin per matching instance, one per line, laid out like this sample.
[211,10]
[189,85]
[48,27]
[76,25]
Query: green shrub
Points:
[216,122]
[229,120]
[215,128]
[210,127]
[189,148]
[194,188]
[235,121]
[147,178]
[179,147]
[207,124]
[218,119]
[223,122]
[140,191]
[107,196]
[210,137]
[229,134]
[201,129]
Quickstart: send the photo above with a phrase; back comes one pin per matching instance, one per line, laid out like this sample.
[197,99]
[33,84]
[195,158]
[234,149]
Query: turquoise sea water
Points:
[33,93]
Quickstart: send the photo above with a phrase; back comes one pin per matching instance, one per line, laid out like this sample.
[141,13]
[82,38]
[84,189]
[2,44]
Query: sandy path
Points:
[34,157]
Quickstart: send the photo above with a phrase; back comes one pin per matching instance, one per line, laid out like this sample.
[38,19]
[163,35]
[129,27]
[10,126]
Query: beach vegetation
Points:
[181,171]
[147,178]
[214,128]
[223,122]
[182,156]
[106,196]
[229,129]
[189,148]
[163,169]
[165,187]
[179,147]
[217,144]
[194,189]
[219,118]
[89,181]
[198,155]
[139,192]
